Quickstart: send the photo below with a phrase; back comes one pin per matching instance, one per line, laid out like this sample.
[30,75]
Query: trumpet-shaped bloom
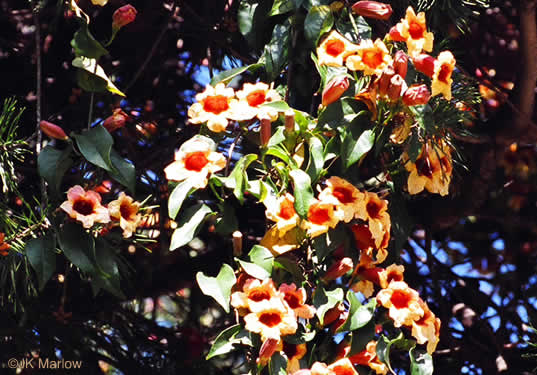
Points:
[125,210]
[394,272]
[321,217]
[368,357]
[293,352]
[296,300]
[334,89]
[371,57]
[344,195]
[427,329]
[373,9]
[278,244]
[195,160]
[403,303]
[283,212]
[251,98]
[85,206]
[443,68]
[375,212]
[213,106]
[343,366]
[254,292]
[334,49]
[366,243]
[432,170]
[272,319]
[413,30]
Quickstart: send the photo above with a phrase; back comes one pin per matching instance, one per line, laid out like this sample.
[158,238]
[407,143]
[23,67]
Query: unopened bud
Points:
[396,87]
[395,35]
[384,80]
[265,131]
[400,63]
[123,16]
[416,95]
[373,9]
[338,269]
[267,350]
[289,120]
[237,243]
[116,121]
[53,131]
[333,314]
[334,89]
[425,64]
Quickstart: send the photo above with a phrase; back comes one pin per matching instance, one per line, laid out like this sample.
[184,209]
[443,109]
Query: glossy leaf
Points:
[277,365]
[227,75]
[282,7]
[262,257]
[96,145]
[253,270]
[359,315]
[188,226]
[223,343]
[318,21]
[227,223]
[385,345]
[240,177]
[278,137]
[52,165]
[123,171]
[276,51]
[108,276]
[42,257]
[316,159]
[218,287]
[177,197]
[91,67]
[421,362]
[361,337]
[78,246]
[303,192]
[356,145]
[84,44]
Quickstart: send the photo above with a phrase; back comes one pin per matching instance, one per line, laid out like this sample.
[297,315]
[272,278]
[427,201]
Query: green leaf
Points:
[227,223]
[290,266]
[424,116]
[42,257]
[52,165]
[345,28]
[227,75]
[280,153]
[356,145]
[303,192]
[178,195]
[188,225]
[78,246]
[300,336]
[96,75]
[123,172]
[223,343]
[318,21]
[281,7]
[84,44]
[108,276]
[277,365]
[361,337]
[414,147]
[218,287]
[359,315]
[240,177]
[325,300]
[341,113]
[252,19]
[277,50]
[421,362]
[279,105]
[96,145]
[262,257]
[253,269]
[384,346]
[316,160]
[278,137]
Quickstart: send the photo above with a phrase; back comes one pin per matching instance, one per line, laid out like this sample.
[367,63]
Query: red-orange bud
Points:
[116,121]
[123,16]
[373,9]
[338,269]
[400,63]
[395,35]
[425,64]
[384,80]
[396,87]
[267,350]
[265,131]
[334,89]
[333,314]
[53,131]
[416,95]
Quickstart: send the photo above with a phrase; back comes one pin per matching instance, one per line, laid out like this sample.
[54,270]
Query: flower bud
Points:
[425,64]
[338,269]
[395,35]
[289,120]
[123,16]
[400,63]
[333,314]
[53,131]
[265,131]
[237,243]
[334,89]
[416,95]
[267,350]
[396,87]
[116,121]
[373,9]
[384,80]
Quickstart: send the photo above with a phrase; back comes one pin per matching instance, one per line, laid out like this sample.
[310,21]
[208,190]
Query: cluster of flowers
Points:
[4,247]
[432,170]
[217,105]
[85,207]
